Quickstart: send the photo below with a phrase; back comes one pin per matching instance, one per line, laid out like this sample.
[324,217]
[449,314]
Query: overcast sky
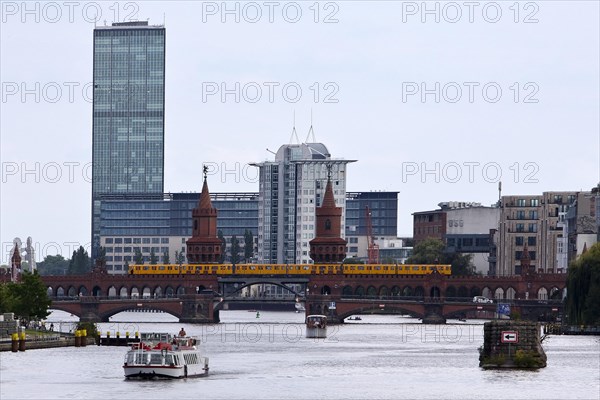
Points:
[438,103]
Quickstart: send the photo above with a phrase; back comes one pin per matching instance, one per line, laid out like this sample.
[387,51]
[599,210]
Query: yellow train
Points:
[290,269]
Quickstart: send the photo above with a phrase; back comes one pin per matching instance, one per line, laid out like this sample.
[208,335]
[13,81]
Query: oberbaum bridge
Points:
[198,298]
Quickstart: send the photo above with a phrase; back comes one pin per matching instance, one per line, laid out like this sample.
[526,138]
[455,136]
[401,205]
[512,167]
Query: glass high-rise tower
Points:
[128,114]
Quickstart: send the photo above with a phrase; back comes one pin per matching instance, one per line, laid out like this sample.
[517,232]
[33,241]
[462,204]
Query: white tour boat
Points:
[316,326]
[160,355]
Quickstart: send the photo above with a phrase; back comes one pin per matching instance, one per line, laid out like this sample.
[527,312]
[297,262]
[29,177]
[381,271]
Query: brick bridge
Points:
[99,295]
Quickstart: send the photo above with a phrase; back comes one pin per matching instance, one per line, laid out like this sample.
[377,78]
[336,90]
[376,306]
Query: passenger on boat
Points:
[182,332]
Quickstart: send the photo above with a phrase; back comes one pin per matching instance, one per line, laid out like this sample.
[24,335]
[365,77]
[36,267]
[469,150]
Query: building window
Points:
[118,240]
[127,240]
[518,240]
[535,202]
[532,227]
[137,240]
[109,240]
[531,241]
[520,227]
[518,255]
[520,202]
[533,214]
[521,214]
[146,240]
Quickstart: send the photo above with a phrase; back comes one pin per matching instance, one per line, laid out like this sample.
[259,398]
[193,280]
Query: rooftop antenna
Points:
[294,133]
[310,138]
[499,191]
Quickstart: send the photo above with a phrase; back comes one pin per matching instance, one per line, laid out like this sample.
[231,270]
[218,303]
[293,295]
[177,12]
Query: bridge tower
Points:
[204,246]
[15,265]
[328,246]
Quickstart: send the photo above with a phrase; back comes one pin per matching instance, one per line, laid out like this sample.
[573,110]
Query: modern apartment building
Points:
[128,114]
[290,188]
[535,220]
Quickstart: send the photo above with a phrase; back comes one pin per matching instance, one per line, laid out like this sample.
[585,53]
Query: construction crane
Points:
[373,248]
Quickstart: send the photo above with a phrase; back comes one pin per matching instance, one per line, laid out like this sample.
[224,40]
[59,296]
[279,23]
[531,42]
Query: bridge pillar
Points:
[324,305]
[198,309]
[90,311]
[434,314]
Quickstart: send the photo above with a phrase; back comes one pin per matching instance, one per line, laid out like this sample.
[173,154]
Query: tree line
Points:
[583,289]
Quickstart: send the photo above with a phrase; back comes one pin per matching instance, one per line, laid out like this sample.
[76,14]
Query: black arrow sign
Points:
[509,336]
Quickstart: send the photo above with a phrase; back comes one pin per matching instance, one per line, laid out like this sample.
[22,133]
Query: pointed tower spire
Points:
[525,260]
[204,246]
[328,246]
[15,264]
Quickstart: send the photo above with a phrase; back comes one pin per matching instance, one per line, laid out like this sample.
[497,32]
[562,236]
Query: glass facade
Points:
[128,113]
[237,212]
[384,213]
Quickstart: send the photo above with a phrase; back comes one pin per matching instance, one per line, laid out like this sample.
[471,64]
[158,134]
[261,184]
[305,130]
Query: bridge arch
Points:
[347,291]
[180,290]
[325,290]
[384,291]
[50,291]
[123,292]
[389,309]
[435,292]
[475,291]
[60,292]
[112,291]
[359,291]
[450,292]
[463,291]
[396,291]
[134,292]
[169,291]
[96,291]
[157,292]
[499,293]
[542,293]
[146,292]
[72,292]
[555,293]
[487,292]
[419,291]
[371,291]
[510,293]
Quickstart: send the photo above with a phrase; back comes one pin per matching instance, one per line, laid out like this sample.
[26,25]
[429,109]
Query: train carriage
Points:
[290,269]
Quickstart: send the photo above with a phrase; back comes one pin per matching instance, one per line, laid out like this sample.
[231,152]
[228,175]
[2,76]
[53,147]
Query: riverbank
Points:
[47,341]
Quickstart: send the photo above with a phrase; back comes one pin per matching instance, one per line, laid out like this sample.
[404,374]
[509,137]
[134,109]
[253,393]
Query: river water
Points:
[380,357]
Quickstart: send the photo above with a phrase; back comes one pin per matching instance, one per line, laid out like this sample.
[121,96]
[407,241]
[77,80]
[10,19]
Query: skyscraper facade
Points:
[128,114]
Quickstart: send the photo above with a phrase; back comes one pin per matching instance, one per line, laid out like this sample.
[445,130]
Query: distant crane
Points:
[373,248]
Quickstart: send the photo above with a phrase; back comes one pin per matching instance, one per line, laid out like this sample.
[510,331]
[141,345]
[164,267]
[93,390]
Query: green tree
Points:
[53,265]
[583,288]
[29,299]
[353,260]
[138,258]
[431,251]
[101,259]
[153,257]
[165,258]
[7,297]
[80,262]
[235,250]
[248,245]
[223,246]
[179,258]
